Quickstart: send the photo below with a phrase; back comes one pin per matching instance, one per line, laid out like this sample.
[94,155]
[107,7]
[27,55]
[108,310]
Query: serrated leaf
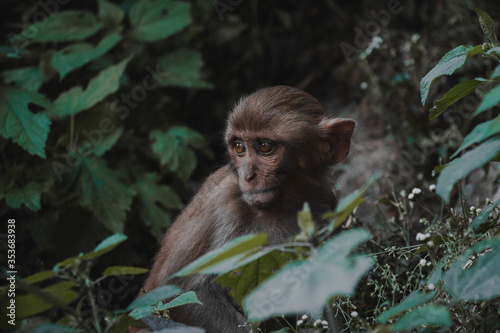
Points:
[76,99]
[155,20]
[244,279]
[308,284]
[462,166]
[185,298]
[108,142]
[18,123]
[479,224]
[487,25]
[153,296]
[150,195]
[426,315]
[451,61]
[490,100]
[124,270]
[27,78]
[475,136]
[173,149]
[28,195]
[110,14]
[453,95]
[182,69]
[233,251]
[474,275]
[104,194]
[64,26]
[76,55]
[416,298]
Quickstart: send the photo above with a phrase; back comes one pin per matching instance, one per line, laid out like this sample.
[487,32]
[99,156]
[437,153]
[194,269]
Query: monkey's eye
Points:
[266,147]
[239,148]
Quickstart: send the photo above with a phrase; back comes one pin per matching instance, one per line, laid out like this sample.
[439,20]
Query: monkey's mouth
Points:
[261,199]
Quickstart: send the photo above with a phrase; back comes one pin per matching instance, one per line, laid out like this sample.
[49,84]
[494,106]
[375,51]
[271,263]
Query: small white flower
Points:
[478,211]
[363,85]
[300,322]
[402,193]
[411,196]
[431,286]
[317,323]
[430,243]
[472,209]
[414,38]
[488,201]
[422,262]
[354,314]
[324,323]
[422,237]
[416,191]
[429,263]
[305,317]
[432,188]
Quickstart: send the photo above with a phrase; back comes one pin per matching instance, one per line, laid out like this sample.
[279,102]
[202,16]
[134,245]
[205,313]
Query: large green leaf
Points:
[475,136]
[173,149]
[18,123]
[232,252]
[487,24]
[490,100]
[76,55]
[110,14]
[63,26]
[185,298]
[496,73]
[28,78]
[453,95]
[151,195]
[155,20]
[475,275]
[416,298]
[308,284]
[76,99]
[451,61]
[28,195]
[104,193]
[461,167]
[426,315]
[182,68]
[153,296]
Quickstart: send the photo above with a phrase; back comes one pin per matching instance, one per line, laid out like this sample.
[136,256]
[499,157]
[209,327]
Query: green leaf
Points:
[76,99]
[461,167]
[153,296]
[28,195]
[182,69]
[28,78]
[453,95]
[110,14]
[51,327]
[108,142]
[104,193]
[305,220]
[29,305]
[451,61]
[426,315]
[38,277]
[494,128]
[496,72]
[437,170]
[18,123]
[480,223]
[475,136]
[416,298]
[173,149]
[487,24]
[185,298]
[308,284]
[151,195]
[474,275]
[259,268]
[233,251]
[490,100]
[155,20]
[124,270]
[76,55]
[63,26]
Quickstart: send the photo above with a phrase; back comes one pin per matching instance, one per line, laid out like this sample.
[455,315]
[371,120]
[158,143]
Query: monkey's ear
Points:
[337,132]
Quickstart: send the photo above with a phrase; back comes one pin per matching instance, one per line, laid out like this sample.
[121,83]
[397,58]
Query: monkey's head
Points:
[280,136]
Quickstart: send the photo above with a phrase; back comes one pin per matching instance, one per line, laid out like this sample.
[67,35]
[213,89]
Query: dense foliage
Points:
[111,116]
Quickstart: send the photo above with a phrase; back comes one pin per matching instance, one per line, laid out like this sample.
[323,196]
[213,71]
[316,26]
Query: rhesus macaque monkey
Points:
[280,143]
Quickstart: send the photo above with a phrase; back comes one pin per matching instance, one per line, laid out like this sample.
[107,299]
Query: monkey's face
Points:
[258,161]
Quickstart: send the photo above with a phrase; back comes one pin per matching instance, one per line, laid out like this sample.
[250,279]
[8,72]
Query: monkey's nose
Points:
[250,175]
